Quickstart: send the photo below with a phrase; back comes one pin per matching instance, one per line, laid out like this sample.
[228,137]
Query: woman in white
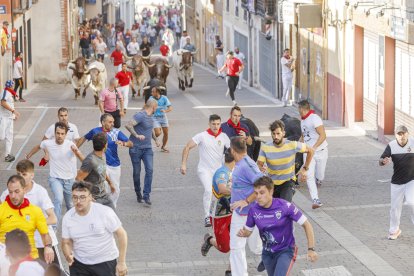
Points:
[133,47]
[168,37]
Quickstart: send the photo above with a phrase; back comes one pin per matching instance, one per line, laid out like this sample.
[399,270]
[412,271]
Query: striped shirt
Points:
[281,160]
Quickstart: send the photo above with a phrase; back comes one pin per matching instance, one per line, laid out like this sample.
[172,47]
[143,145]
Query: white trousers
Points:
[398,193]
[316,171]
[239,85]
[287,86]
[238,260]
[125,91]
[114,173]
[206,178]
[119,68]
[6,133]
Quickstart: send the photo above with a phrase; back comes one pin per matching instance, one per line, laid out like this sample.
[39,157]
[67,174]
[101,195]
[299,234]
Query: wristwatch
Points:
[49,245]
[311,249]
[305,168]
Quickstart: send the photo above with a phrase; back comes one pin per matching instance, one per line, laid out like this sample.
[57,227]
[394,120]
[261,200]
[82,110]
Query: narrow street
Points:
[350,229]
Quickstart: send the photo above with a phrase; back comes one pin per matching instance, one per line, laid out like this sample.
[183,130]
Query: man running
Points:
[400,153]
[314,135]
[233,127]
[88,236]
[14,213]
[234,67]
[211,144]
[117,58]
[7,116]
[115,138]
[288,66]
[93,170]
[124,78]
[63,117]
[220,209]
[62,154]
[279,155]
[160,117]
[108,102]
[141,127]
[275,224]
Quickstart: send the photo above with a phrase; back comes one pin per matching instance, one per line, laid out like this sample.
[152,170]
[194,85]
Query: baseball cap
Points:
[5,22]
[401,128]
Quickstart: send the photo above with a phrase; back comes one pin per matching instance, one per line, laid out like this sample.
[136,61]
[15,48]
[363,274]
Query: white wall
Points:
[92,10]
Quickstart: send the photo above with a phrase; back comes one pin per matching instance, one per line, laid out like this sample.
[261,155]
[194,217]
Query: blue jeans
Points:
[145,155]
[86,53]
[279,263]
[61,189]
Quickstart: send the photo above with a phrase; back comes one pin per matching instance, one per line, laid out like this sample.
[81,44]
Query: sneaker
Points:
[395,235]
[207,222]
[147,202]
[9,158]
[22,100]
[227,93]
[227,273]
[261,267]
[234,103]
[316,203]
[139,198]
[205,247]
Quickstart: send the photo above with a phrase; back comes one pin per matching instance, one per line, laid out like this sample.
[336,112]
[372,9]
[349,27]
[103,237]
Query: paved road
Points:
[165,239]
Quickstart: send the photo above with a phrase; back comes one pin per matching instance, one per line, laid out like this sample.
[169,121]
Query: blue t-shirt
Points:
[144,127]
[231,132]
[275,224]
[111,153]
[245,173]
[163,104]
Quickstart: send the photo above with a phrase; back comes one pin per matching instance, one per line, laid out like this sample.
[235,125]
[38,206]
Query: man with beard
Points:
[279,156]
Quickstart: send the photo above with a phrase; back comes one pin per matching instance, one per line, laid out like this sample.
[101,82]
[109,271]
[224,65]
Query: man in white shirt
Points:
[7,116]
[18,75]
[211,145]
[88,232]
[62,154]
[288,66]
[133,47]
[4,261]
[183,39]
[314,135]
[242,58]
[100,49]
[63,117]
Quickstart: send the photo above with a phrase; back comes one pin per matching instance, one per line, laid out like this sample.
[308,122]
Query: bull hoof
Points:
[183,88]
[190,85]
[83,94]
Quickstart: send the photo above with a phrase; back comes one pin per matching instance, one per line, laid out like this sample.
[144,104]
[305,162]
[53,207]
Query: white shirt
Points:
[211,150]
[285,63]
[92,234]
[17,67]
[183,41]
[133,48]
[100,48]
[310,136]
[31,268]
[38,196]
[72,134]
[8,97]
[240,56]
[62,159]
[4,261]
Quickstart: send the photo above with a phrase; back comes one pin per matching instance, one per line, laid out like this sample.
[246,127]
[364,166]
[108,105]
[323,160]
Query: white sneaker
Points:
[234,103]
[239,88]
[394,236]
[227,93]
[316,203]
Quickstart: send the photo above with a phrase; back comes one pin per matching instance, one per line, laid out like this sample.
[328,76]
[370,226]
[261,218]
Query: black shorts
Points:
[106,268]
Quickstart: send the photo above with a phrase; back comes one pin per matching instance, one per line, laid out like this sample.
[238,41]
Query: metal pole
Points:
[250,50]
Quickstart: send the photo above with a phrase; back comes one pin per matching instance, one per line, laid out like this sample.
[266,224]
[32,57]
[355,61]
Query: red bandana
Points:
[24,204]
[237,127]
[14,267]
[209,131]
[308,114]
[11,91]
[6,31]
[17,59]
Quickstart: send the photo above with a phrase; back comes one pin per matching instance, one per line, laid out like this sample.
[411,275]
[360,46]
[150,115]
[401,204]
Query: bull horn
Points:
[146,87]
[169,66]
[147,57]
[161,87]
[73,68]
[72,61]
[193,53]
[149,65]
[88,59]
[87,72]
[179,53]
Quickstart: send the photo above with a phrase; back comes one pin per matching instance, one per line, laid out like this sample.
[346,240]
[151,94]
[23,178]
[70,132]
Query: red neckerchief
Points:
[14,267]
[237,127]
[17,59]
[11,91]
[308,114]
[6,31]
[209,131]
[24,204]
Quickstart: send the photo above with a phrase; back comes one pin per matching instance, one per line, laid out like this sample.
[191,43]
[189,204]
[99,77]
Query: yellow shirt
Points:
[32,218]
[3,38]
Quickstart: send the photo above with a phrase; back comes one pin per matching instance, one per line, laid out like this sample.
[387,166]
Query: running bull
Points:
[183,63]
[139,71]
[99,76]
[158,67]
[79,75]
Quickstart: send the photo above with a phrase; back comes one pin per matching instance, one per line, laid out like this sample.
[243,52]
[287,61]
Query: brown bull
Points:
[79,75]
[140,72]
[158,68]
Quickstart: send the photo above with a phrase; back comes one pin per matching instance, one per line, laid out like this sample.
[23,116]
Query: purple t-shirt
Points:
[245,173]
[275,224]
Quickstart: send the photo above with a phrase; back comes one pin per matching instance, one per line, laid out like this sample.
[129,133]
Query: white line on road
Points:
[327,271]
[352,244]
[241,106]
[354,207]
[34,128]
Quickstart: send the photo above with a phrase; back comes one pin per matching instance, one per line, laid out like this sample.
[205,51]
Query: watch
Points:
[311,249]
[305,168]
[49,245]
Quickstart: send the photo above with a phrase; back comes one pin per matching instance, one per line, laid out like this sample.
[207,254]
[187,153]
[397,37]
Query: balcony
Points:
[21,6]
[266,8]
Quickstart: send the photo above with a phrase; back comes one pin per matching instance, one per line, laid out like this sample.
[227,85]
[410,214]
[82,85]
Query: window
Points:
[21,39]
[29,42]
[227,5]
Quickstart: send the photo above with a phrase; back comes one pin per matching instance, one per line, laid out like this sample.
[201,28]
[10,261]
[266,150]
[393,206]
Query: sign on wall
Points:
[3,9]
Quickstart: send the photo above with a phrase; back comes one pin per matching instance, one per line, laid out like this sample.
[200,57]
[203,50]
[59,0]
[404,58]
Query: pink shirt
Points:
[109,100]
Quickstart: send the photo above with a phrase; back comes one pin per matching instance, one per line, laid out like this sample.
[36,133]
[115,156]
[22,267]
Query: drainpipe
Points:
[250,60]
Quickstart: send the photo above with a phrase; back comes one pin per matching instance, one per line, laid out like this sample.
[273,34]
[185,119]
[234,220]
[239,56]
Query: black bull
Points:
[158,68]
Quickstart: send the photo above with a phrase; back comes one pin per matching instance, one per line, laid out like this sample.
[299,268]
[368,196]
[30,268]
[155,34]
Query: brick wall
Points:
[64,22]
